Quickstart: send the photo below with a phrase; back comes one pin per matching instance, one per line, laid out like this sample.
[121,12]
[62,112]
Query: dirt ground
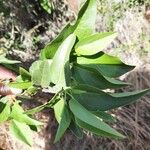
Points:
[25,31]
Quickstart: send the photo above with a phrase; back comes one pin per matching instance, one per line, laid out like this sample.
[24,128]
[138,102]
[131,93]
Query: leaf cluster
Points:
[75,69]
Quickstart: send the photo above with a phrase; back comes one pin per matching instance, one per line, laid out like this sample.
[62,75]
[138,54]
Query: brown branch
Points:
[5,90]
[7,74]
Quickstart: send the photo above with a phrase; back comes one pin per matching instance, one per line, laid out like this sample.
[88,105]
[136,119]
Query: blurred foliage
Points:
[26,25]
[47,5]
[3,9]
[137,2]
[21,22]
[115,9]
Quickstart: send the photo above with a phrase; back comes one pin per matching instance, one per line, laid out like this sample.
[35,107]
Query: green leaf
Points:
[18,114]
[20,85]
[47,5]
[99,58]
[50,49]
[105,116]
[32,90]
[103,62]
[58,109]
[60,60]
[4,110]
[76,130]
[94,43]
[112,71]
[12,67]
[34,128]
[2,106]
[92,129]
[40,72]
[96,100]
[25,75]
[83,75]
[67,74]
[90,119]
[4,100]
[63,117]
[21,131]
[85,25]
[4,60]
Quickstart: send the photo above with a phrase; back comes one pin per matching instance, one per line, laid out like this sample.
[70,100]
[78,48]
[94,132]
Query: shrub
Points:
[75,69]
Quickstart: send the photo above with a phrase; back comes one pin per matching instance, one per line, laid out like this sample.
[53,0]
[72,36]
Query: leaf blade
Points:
[17,113]
[76,130]
[63,117]
[105,116]
[21,132]
[4,111]
[20,85]
[40,72]
[87,76]
[105,64]
[50,49]
[92,129]
[92,120]
[96,100]
[25,75]
[85,25]
[62,54]
[94,43]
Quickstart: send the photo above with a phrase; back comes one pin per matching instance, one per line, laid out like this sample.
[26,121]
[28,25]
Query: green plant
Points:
[75,69]
[47,5]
